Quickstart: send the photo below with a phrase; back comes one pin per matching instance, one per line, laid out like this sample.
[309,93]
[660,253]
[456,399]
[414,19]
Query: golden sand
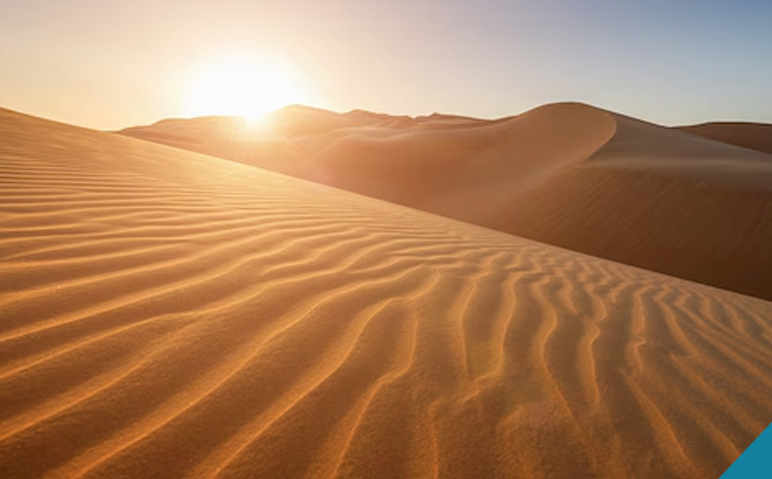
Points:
[169,314]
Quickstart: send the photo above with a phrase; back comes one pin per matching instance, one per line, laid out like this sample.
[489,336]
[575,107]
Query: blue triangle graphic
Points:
[756,461]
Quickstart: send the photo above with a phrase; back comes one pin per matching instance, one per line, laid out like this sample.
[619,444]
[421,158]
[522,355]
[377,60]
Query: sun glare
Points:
[242,86]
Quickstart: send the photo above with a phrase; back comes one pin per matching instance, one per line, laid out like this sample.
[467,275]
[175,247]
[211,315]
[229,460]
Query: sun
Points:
[242,85]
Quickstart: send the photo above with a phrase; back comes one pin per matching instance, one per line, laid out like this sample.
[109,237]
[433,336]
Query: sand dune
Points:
[670,202]
[167,314]
[755,136]
[565,174]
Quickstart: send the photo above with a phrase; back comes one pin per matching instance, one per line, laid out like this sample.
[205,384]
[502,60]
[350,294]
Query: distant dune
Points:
[169,314]
[566,174]
[754,136]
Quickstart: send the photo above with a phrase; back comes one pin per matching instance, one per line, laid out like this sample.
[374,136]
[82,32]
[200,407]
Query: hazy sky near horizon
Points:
[110,64]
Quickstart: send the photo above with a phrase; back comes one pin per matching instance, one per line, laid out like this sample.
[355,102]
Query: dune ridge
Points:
[566,174]
[754,136]
[169,314]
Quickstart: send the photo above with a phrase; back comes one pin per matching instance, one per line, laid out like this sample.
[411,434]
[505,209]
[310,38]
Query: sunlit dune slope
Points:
[755,136]
[566,174]
[167,314]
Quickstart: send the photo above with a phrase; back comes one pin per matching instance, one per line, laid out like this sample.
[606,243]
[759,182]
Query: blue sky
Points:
[109,64]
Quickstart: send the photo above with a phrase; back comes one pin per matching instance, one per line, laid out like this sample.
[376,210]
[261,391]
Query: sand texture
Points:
[167,314]
[567,174]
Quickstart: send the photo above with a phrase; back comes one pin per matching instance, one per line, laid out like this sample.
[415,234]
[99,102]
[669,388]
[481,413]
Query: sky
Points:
[110,64]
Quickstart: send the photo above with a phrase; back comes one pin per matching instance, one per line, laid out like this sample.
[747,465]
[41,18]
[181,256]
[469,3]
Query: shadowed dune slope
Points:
[565,174]
[167,314]
[659,199]
[754,136]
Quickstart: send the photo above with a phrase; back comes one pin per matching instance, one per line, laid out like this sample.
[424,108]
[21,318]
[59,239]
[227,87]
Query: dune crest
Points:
[168,314]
